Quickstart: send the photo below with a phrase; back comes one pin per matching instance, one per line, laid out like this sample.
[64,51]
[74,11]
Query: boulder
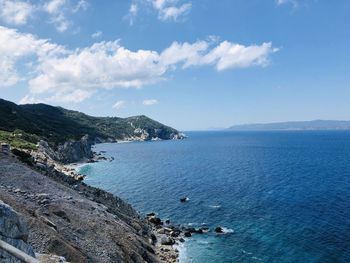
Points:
[14,231]
[187,234]
[155,220]
[167,241]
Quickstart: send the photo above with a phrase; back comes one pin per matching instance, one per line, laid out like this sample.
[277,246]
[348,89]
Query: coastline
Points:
[169,252]
[67,175]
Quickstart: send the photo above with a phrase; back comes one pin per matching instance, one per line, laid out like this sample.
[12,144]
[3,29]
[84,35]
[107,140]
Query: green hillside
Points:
[32,122]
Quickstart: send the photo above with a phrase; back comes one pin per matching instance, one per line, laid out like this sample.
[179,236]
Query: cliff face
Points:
[69,152]
[73,151]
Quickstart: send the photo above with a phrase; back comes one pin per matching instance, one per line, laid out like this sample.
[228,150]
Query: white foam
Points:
[227,230]
[182,252]
[214,206]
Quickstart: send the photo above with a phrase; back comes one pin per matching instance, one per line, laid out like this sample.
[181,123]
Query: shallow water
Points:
[283,196]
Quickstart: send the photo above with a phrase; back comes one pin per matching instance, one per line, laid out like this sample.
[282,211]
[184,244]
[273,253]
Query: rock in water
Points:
[184,199]
[219,230]
[14,231]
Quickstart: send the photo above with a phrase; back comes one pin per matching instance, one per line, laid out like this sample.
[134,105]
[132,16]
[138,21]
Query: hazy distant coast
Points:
[294,126]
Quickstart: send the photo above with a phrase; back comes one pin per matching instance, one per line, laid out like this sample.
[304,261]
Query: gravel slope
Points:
[79,222]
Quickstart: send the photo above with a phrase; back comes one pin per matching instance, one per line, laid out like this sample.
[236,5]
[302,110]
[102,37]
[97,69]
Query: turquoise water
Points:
[285,196]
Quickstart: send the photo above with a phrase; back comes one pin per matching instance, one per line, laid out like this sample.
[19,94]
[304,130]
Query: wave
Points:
[246,252]
[214,206]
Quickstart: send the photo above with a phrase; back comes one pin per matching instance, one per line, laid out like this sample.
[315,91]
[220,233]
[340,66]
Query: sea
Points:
[280,196]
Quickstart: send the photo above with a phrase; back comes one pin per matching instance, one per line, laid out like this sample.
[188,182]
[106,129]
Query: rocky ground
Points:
[66,218]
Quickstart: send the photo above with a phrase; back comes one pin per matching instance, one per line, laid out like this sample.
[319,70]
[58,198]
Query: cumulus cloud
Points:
[119,105]
[150,102]
[15,47]
[58,74]
[15,12]
[170,9]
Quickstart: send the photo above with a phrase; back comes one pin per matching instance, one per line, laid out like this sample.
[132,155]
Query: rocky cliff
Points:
[68,152]
[13,231]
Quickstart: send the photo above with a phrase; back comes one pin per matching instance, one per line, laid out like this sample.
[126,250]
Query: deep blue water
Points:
[286,195]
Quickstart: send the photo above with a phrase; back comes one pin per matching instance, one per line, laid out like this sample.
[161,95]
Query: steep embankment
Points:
[57,125]
[68,218]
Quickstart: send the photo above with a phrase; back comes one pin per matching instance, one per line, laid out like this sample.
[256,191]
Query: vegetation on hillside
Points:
[57,125]
[19,139]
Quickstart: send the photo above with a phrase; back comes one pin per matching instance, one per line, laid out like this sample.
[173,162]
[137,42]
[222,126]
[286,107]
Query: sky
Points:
[193,65]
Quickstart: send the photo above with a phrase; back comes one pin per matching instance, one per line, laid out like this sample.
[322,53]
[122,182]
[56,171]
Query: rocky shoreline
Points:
[165,236]
[15,191]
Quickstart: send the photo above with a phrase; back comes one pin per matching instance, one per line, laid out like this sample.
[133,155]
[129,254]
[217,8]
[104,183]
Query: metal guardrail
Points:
[17,253]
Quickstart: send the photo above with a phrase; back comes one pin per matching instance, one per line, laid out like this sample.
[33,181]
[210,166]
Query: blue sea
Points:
[281,196]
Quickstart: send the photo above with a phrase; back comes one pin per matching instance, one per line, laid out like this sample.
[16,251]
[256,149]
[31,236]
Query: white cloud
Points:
[283,2]
[224,56]
[119,105]
[133,11]
[14,47]
[173,12]
[229,55]
[188,54]
[59,10]
[61,75]
[54,6]
[58,17]
[15,12]
[18,12]
[150,102]
[81,5]
[170,9]
[97,34]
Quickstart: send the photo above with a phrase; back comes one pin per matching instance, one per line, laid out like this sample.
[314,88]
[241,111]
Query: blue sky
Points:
[189,64]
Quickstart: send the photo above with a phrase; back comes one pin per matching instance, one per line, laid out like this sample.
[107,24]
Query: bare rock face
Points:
[69,152]
[74,151]
[14,231]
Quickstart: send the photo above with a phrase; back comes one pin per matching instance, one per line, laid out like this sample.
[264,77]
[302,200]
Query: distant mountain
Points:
[32,122]
[295,125]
